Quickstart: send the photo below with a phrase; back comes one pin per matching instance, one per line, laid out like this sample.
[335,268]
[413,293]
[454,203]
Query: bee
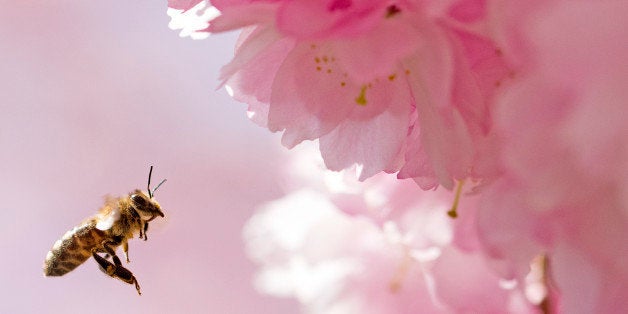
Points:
[116,222]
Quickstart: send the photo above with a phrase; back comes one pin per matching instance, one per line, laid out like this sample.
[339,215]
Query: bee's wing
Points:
[106,218]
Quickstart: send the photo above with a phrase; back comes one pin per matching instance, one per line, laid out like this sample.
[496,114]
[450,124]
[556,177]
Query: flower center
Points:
[330,73]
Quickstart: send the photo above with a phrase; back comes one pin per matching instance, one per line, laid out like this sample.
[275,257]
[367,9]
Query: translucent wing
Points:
[108,215]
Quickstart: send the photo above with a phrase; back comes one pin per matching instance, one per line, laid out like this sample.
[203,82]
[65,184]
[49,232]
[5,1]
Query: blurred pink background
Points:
[92,94]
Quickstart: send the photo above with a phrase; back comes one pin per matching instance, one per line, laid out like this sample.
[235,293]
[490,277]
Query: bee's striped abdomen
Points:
[74,248]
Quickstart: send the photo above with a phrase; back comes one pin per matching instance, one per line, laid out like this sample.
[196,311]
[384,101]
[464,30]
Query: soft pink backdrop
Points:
[92,93]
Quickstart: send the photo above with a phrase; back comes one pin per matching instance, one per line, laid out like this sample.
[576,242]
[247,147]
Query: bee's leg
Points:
[125,249]
[142,234]
[107,247]
[145,229]
[116,271]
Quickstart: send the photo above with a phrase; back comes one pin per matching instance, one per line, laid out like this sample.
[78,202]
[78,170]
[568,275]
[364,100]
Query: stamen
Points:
[361,99]
[453,212]
[401,273]
[546,305]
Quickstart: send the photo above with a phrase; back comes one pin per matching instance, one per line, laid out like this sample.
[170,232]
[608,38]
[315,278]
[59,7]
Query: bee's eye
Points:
[138,200]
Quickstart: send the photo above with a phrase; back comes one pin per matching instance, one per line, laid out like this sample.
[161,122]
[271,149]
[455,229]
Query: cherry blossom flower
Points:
[400,85]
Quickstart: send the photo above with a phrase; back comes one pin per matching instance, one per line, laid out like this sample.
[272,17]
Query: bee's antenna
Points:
[158,185]
[150,172]
[151,193]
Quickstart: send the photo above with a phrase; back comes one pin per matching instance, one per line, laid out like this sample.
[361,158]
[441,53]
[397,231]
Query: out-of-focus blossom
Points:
[389,86]
[382,246]
[565,153]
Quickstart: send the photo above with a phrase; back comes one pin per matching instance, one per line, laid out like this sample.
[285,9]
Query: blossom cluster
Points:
[513,110]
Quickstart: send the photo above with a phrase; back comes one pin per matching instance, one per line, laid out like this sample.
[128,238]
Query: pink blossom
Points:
[388,86]
[341,246]
[564,153]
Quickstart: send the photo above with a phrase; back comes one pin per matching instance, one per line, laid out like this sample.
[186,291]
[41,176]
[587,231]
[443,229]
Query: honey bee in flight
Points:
[116,222]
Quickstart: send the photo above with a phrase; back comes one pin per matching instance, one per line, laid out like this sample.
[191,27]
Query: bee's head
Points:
[145,205]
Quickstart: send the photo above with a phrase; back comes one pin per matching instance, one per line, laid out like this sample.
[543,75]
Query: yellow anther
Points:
[453,212]
[361,99]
